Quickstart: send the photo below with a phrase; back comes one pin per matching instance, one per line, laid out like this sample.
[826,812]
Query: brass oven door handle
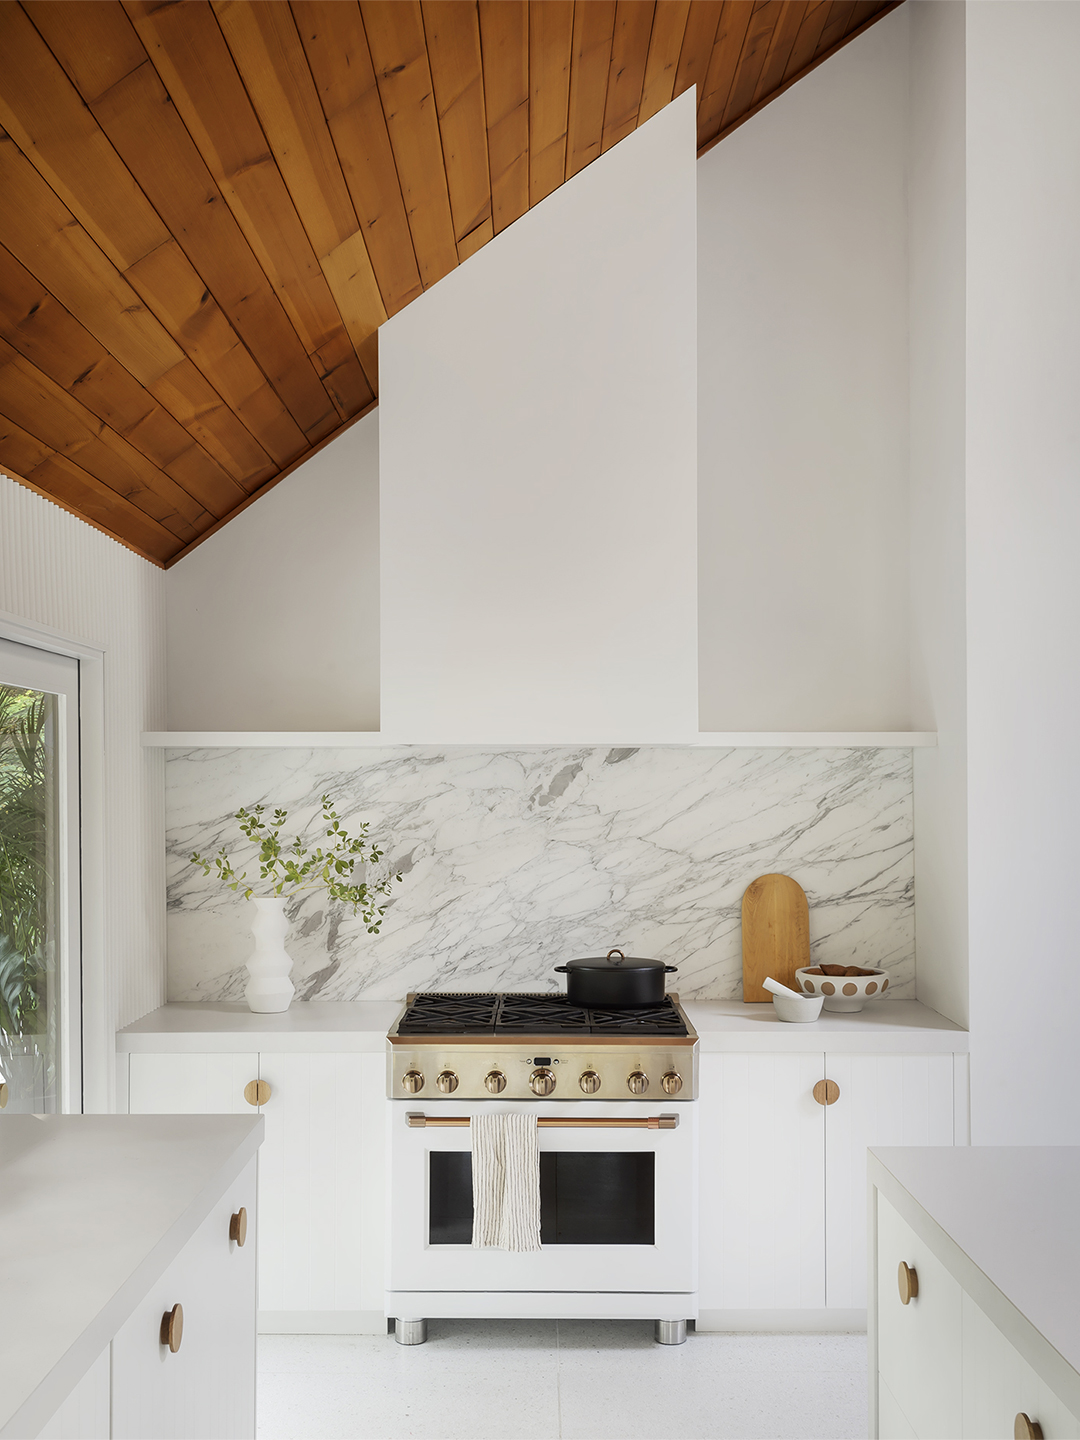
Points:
[417,1121]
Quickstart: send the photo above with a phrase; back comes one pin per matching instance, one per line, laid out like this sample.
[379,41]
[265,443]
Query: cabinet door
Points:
[84,1415]
[884,1100]
[311,1181]
[999,1384]
[919,1344]
[178,1084]
[207,1388]
[763,1182]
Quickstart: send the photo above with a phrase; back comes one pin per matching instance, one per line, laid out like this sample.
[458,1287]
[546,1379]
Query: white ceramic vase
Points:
[269,990]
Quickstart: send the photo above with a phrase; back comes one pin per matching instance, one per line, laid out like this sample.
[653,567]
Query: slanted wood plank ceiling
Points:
[209,207]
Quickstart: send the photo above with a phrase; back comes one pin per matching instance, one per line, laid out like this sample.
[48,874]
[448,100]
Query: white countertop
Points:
[361,1026]
[93,1209]
[1004,1222]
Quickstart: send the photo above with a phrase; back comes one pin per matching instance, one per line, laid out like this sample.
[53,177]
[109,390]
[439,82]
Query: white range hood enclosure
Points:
[538,439]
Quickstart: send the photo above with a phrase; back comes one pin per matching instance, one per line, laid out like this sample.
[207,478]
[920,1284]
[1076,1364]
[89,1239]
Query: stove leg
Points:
[413,1332]
[669,1332]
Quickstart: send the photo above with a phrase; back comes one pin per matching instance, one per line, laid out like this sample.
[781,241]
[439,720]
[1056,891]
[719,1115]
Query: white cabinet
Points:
[207,1387]
[783,1177]
[320,1173]
[85,1414]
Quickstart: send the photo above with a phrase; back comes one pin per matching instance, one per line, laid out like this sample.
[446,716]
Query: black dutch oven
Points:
[615,979]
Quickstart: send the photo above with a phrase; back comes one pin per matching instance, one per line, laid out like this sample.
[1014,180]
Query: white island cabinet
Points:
[974,1324]
[127,1277]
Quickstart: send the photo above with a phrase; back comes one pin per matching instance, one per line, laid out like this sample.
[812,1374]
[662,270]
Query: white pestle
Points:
[777,989]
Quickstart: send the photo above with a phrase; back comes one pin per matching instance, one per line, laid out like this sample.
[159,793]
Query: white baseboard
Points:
[782,1322]
[321,1322]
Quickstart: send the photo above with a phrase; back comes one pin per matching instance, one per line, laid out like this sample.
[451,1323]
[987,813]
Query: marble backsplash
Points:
[516,861]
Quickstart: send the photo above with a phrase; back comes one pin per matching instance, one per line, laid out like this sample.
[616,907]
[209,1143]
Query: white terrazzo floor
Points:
[561,1380]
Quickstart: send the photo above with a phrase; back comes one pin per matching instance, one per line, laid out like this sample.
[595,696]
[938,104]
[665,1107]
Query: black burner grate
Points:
[544,1014]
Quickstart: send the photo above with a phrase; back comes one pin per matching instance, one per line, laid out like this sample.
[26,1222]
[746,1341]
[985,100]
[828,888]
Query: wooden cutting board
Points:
[775,933]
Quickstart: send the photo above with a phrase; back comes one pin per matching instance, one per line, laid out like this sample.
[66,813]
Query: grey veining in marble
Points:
[516,861]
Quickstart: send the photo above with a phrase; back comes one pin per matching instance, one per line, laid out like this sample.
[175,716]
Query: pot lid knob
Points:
[619,953]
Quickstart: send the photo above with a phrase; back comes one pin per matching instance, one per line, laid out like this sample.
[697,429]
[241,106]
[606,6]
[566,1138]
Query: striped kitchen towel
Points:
[506,1182]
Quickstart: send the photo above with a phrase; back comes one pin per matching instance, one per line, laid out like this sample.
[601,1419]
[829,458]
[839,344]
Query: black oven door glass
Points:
[586,1198]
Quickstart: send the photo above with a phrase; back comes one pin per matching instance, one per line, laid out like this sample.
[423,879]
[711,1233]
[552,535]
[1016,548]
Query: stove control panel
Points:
[480,1072]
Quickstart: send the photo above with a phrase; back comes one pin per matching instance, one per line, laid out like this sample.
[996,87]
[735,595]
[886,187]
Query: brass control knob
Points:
[672,1082]
[238,1226]
[637,1082]
[172,1328]
[589,1082]
[1025,1428]
[446,1081]
[495,1082]
[412,1081]
[908,1281]
[542,1081]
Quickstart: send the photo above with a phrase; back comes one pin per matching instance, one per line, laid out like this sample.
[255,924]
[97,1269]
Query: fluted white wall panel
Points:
[60,573]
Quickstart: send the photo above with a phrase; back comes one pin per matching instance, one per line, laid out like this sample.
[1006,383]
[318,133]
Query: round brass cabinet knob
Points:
[172,1328]
[908,1281]
[257,1092]
[1026,1429]
[238,1226]
[589,1081]
[3,1094]
[495,1082]
[412,1081]
[826,1092]
[637,1082]
[446,1081]
[542,1081]
[672,1082]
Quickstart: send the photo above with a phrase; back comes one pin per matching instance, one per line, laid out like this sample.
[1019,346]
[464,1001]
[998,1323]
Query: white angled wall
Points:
[802,226]
[538,468]
[57,572]
[1023,575]
[274,621]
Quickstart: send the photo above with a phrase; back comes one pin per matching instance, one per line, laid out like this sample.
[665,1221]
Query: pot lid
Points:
[614,960]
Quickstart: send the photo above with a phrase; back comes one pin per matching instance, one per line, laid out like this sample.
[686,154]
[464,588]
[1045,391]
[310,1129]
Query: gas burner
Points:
[661,1019]
[435,1014]
[508,1015]
[540,1015]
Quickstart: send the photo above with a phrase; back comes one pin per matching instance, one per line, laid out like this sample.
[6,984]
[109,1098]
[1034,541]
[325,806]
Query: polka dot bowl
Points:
[843,992]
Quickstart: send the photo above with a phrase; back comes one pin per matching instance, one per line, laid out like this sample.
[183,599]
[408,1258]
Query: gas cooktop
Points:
[507,1016]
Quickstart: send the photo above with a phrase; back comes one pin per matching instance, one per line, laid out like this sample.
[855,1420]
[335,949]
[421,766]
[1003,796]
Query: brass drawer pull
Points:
[416,1121]
[1025,1429]
[826,1092]
[238,1226]
[908,1281]
[172,1328]
[257,1092]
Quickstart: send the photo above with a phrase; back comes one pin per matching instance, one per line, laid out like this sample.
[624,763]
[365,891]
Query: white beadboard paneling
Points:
[884,1100]
[310,1183]
[59,573]
[85,1414]
[203,1084]
[762,1182]
[516,861]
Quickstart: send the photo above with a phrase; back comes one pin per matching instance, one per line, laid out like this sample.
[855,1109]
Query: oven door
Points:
[618,1207]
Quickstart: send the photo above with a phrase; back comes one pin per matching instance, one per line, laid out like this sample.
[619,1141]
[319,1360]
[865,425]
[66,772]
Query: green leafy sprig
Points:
[291,869]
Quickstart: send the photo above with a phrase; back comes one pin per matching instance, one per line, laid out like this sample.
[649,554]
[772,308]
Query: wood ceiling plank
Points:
[332,33]
[665,46]
[452,31]
[629,54]
[504,39]
[344,376]
[348,269]
[781,44]
[808,38]
[187,394]
[20,451]
[551,37]
[46,117]
[730,36]
[176,292]
[395,34]
[190,54]
[144,127]
[697,47]
[47,411]
[862,12]
[594,27]
[60,479]
[92,39]
[471,243]
[752,60]
[41,232]
[837,25]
